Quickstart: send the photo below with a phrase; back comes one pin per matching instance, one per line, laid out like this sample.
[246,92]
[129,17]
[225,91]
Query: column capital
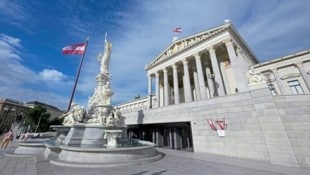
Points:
[174,66]
[184,61]
[228,42]
[165,69]
[299,64]
[211,49]
[197,55]
[274,70]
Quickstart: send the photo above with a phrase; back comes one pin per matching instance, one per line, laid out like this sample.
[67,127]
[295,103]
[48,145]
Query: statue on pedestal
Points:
[105,58]
[99,110]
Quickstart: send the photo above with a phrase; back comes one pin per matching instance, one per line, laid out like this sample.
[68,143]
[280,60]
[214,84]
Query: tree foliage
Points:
[37,119]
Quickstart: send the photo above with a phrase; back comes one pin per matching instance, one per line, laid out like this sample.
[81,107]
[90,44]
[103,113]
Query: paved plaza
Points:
[173,163]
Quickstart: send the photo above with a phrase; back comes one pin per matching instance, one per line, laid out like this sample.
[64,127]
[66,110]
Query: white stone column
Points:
[202,87]
[210,81]
[304,75]
[149,90]
[236,65]
[166,88]
[196,94]
[157,89]
[186,83]
[225,78]
[176,84]
[219,87]
[280,83]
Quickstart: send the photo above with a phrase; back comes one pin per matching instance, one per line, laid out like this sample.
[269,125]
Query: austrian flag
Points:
[78,49]
[178,30]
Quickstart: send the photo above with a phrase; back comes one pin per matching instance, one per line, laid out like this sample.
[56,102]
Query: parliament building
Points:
[209,93]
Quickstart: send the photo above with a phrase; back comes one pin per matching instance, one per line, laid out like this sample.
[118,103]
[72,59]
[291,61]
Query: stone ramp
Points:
[17,165]
[173,163]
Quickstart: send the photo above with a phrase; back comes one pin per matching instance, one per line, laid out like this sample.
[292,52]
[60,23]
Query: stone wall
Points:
[294,112]
[260,126]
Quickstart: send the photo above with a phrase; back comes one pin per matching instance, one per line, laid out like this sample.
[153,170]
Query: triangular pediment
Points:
[181,45]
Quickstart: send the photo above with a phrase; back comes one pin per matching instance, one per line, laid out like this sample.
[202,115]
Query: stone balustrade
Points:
[135,105]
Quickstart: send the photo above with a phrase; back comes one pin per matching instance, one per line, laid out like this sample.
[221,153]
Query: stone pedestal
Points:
[112,136]
[85,134]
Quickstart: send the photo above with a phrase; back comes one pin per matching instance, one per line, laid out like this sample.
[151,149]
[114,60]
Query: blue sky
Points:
[33,32]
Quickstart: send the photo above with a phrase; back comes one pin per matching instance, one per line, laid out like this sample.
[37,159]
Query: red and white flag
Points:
[78,49]
[211,123]
[177,30]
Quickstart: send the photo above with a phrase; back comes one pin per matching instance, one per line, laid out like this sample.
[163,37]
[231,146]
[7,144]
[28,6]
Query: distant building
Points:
[52,110]
[208,93]
[11,111]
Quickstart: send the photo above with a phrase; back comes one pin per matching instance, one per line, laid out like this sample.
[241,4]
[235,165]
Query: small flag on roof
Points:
[177,30]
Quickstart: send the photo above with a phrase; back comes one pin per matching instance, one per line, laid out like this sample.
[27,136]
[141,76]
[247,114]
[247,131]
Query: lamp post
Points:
[38,124]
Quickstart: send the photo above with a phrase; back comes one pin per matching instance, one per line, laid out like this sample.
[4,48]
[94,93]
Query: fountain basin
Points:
[31,148]
[90,134]
[106,157]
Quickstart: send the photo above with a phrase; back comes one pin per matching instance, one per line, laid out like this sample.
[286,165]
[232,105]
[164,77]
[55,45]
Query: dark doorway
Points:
[166,135]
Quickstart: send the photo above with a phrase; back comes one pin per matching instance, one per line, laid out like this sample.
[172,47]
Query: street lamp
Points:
[38,124]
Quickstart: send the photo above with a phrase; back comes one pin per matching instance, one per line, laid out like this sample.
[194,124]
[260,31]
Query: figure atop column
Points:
[105,58]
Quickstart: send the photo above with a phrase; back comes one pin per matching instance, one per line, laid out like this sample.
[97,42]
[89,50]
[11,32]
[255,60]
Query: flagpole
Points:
[77,76]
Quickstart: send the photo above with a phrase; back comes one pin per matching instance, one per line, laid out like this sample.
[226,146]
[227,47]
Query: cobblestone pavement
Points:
[173,163]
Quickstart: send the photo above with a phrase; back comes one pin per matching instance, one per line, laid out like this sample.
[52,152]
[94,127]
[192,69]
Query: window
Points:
[295,87]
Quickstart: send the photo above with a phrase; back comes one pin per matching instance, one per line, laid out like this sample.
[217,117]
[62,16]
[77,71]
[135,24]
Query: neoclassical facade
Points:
[204,65]
[287,75]
[214,76]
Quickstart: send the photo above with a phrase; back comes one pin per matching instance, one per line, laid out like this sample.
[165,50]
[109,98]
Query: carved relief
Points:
[255,78]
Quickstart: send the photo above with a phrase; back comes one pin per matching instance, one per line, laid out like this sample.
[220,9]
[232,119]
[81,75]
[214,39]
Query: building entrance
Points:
[167,135]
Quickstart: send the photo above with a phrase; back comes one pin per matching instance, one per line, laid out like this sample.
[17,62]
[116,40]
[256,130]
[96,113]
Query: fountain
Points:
[97,136]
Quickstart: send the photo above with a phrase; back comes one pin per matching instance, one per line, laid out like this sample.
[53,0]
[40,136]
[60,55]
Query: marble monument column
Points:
[219,87]
[157,89]
[210,81]
[186,82]
[201,81]
[150,90]
[176,84]
[166,87]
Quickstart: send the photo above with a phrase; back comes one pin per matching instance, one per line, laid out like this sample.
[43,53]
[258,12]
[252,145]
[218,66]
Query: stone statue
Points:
[255,78]
[105,58]
[119,118]
[74,116]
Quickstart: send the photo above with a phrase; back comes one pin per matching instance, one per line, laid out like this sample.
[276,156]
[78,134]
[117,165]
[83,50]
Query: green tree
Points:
[37,119]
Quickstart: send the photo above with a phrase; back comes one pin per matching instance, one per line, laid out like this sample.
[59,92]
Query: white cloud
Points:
[52,75]
[15,76]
